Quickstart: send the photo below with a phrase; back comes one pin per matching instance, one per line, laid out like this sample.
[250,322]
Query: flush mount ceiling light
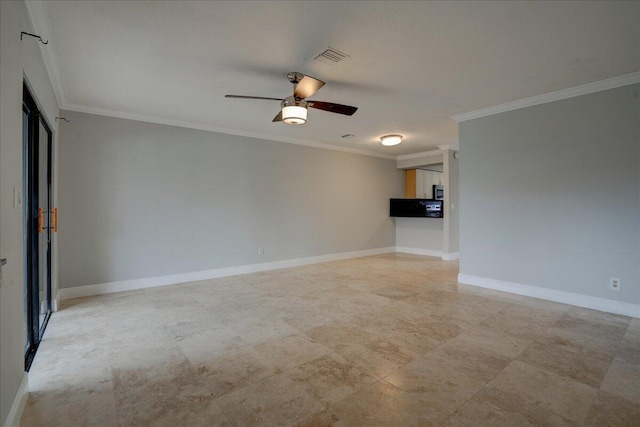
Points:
[294,112]
[389,140]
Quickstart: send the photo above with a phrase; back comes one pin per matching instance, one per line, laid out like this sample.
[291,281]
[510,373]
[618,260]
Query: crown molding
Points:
[36,10]
[448,147]
[206,127]
[611,83]
[418,155]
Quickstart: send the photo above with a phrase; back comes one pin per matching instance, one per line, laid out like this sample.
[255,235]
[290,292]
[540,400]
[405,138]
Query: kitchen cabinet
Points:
[422,184]
[425,180]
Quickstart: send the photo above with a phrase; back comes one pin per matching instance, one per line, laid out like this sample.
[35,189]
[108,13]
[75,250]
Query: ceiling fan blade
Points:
[252,97]
[347,110]
[307,87]
[278,117]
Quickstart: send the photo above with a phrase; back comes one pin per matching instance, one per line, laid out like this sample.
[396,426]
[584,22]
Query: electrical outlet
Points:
[614,283]
[260,251]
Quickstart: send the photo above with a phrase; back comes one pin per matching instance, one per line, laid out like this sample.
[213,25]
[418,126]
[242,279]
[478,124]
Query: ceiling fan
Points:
[294,108]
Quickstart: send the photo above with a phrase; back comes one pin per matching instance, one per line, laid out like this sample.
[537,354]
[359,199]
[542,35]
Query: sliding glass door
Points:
[39,223]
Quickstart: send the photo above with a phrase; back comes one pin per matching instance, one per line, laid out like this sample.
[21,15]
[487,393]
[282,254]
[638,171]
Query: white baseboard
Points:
[429,252]
[149,282]
[419,251]
[20,400]
[586,301]
[450,256]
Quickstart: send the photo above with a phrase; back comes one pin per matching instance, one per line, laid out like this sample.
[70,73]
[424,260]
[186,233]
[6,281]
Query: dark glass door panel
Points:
[37,140]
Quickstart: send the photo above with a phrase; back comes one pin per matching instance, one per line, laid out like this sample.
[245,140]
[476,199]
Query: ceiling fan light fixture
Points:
[390,140]
[294,112]
[294,115]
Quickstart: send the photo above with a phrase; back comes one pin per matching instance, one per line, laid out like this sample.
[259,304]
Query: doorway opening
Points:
[39,222]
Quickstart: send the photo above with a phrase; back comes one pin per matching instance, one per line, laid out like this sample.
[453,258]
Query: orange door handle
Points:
[39,220]
[55,220]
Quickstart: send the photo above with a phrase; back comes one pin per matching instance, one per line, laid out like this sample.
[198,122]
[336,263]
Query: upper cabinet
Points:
[421,184]
[425,180]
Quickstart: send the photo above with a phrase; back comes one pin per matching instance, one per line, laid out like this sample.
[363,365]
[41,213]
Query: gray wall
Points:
[142,200]
[18,59]
[550,195]
[419,233]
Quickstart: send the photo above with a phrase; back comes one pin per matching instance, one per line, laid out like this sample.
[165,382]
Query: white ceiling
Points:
[412,65]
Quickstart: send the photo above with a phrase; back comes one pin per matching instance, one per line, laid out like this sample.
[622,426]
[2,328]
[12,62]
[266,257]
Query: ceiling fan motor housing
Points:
[295,77]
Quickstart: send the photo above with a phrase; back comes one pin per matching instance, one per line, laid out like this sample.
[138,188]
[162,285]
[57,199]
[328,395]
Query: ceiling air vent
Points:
[331,56]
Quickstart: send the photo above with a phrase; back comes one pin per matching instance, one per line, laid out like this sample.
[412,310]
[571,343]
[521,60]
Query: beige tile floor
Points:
[388,340]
